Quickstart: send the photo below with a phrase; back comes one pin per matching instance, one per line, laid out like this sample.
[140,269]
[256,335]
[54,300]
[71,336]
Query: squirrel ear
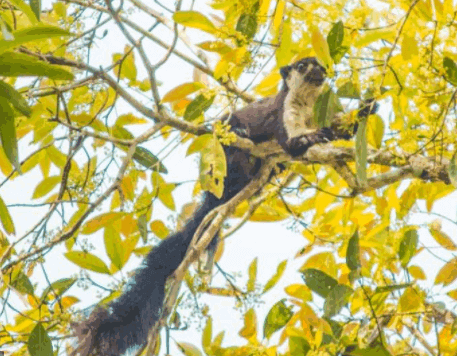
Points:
[284,71]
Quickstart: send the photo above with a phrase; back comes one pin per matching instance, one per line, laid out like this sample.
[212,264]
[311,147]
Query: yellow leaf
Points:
[5,218]
[284,54]
[443,239]
[57,157]
[324,261]
[299,291]
[159,229]
[263,10]
[129,225]
[448,273]
[188,349]
[320,47]
[409,47]
[101,221]
[271,210]
[275,278]
[194,19]
[375,35]
[375,130]
[215,46]
[65,302]
[87,261]
[411,300]
[113,246]
[199,144]
[82,119]
[439,8]
[181,91]
[45,186]
[357,301]
[129,245]
[213,167]
[130,119]
[424,9]
[453,294]
[417,272]
[277,19]
[252,272]
[249,330]
[45,163]
[128,188]
[166,197]
[268,85]
[5,165]
[126,68]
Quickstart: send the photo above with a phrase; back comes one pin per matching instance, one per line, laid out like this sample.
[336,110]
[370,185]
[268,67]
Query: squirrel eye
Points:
[300,66]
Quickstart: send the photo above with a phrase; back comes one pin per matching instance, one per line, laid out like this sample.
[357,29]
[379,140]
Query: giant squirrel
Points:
[286,117]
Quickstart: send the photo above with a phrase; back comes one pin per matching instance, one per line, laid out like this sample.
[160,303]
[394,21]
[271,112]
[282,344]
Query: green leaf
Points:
[15,64]
[325,108]
[353,252]
[408,246]
[392,288]
[318,281]
[377,350]
[197,107]
[277,318]
[58,287]
[452,169]
[39,343]
[335,38]
[298,346]
[275,278]
[21,5]
[5,218]
[450,67]
[45,186]
[348,90]
[143,227]
[15,98]
[361,152]
[88,261]
[22,284]
[113,246]
[36,8]
[147,159]
[336,299]
[247,25]
[8,133]
[30,34]
[194,19]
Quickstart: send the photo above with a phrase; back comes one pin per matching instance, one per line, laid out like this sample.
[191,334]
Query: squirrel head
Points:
[303,72]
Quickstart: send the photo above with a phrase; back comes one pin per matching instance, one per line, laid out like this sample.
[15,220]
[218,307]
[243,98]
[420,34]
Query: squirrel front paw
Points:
[299,145]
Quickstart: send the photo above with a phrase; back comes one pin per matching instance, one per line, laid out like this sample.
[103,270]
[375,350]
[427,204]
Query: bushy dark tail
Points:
[127,320]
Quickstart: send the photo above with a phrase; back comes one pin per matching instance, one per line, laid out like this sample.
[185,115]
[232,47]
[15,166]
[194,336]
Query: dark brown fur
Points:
[125,322]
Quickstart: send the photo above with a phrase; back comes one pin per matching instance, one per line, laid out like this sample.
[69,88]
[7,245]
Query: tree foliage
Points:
[94,138]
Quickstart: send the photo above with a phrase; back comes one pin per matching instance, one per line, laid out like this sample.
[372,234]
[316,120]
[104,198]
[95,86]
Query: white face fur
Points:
[299,103]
